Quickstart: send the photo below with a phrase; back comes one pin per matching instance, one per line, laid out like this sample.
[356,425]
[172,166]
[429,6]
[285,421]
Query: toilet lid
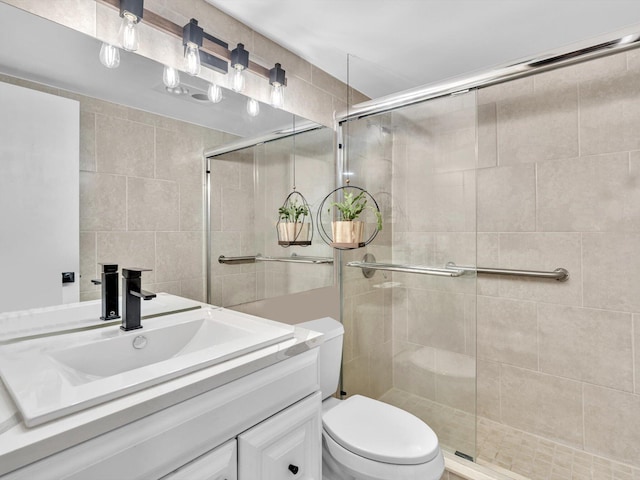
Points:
[380,432]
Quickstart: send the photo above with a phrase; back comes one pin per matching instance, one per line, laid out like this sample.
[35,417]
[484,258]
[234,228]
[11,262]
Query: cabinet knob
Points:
[293,469]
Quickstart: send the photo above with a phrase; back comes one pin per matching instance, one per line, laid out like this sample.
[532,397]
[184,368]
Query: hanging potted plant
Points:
[292,227]
[348,230]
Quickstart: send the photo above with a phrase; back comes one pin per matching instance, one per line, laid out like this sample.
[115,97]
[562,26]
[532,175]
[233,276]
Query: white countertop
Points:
[21,445]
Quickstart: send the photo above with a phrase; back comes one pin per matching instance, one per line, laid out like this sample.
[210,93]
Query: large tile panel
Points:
[542,404]
[612,423]
[507,331]
[584,344]
[152,205]
[611,266]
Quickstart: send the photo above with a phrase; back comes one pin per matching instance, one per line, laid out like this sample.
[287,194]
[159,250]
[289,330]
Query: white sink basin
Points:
[52,377]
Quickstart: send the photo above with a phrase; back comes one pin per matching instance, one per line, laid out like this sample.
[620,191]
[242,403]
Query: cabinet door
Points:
[285,446]
[218,464]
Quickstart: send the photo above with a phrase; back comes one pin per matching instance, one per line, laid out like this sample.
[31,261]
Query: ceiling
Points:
[394,45]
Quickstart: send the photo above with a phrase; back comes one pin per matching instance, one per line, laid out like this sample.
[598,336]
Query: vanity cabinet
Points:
[219,464]
[287,445]
[270,417]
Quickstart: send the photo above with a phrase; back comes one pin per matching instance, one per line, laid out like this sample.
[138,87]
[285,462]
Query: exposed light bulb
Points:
[192,59]
[214,93]
[170,77]
[128,34]
[237,83]
[277,96]
[109,55]
[253,107]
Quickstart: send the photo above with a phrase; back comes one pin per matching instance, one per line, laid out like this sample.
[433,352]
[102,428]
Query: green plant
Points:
[291,212]
[351,207]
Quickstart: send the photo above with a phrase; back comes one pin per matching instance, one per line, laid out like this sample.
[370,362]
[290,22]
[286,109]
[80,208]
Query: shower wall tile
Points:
[542,251]
[612,423]
[437,203]
[487,135]
[179,155]
[506,199]
[153,205]
[103,202]
[237,211]
[488,385]
[381,364]
[88,262]
[636,352]
[414,369]
[436,319]
[606,67]
[87,142]
[488,254]
[399,314]
[124,147]
[239,288]
[588,194]
[191,207]
[507,332]
[179,255]
[610,114]
[356,376]
[542,404]
[538,127]
[128,249]
[608,256]
[583,344]
[506,91]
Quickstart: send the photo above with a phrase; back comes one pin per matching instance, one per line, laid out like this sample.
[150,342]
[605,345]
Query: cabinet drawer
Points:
[218,464]
[285,446]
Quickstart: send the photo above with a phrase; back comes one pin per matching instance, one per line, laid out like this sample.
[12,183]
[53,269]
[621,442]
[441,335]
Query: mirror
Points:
[140,150]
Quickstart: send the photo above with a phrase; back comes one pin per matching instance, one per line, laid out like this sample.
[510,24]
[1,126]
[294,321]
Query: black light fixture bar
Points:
[239,57]
[214,52]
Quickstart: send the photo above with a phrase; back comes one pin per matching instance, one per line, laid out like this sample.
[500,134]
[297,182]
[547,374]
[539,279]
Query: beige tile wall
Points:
[141,197]
[311,92]
[558,186]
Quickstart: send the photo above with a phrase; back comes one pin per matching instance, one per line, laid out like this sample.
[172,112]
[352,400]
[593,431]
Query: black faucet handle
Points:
[95,281]
[143,294]
[134,272]
[109,267]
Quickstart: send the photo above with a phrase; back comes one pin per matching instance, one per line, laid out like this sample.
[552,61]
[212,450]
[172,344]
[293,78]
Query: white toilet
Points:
[362,438]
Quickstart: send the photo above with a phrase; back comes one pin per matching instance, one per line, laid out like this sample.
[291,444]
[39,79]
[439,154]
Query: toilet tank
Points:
[330,352]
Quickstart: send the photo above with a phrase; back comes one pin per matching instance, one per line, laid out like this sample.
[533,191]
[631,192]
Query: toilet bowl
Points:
[363,438]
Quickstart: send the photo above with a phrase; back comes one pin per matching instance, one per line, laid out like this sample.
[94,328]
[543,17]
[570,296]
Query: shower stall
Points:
[500,303]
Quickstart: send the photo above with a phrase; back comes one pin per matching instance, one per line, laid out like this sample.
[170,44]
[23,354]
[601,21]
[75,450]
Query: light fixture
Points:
[192,41]
[170,77]
[239,62]
[131,12]
[214,93]
[109,55]
[277,82]
[253,107]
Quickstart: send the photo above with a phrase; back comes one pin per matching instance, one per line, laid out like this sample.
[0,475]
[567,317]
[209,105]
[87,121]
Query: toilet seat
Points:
[364,468]
[380,432]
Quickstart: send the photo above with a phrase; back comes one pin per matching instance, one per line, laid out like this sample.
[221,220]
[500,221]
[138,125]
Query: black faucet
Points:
[109,282]
[131,294]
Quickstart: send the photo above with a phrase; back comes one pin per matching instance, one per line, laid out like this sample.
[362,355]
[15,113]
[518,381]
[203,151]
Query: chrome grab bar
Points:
[421,269]
[559,274]
[259,258]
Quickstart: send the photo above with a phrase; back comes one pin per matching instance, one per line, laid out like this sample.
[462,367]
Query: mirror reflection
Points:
[138,187]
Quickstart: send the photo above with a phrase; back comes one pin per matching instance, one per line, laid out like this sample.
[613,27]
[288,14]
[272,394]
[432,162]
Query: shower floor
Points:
[507,449]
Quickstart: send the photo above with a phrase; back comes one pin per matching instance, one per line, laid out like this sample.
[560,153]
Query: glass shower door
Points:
[410,337]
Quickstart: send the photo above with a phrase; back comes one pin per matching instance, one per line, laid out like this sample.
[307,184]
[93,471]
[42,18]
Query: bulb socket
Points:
[239,57]
[277,76]
[192,33]
[133,7]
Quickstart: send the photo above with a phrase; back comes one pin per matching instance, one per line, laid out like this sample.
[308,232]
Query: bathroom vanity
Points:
[252,416]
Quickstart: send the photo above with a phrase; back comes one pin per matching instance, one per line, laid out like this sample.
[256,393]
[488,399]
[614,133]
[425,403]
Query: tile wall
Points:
[559,186]
[141,194]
